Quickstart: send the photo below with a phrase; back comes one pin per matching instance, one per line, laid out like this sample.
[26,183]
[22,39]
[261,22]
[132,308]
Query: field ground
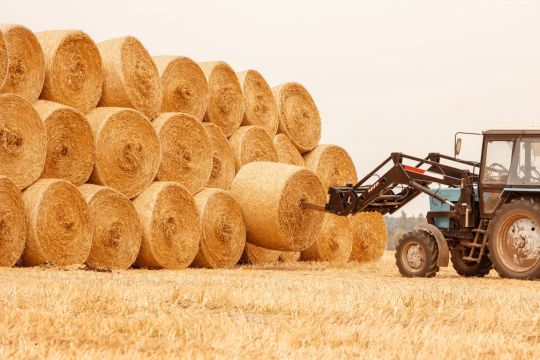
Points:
[290,311]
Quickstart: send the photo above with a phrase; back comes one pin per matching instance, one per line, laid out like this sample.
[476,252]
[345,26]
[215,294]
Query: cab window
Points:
[527,160]
[498,160]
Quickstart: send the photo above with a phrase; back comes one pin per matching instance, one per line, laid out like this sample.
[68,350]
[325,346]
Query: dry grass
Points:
[295,310]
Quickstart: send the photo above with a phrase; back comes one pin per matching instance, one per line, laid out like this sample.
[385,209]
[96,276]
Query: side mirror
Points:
[457,147]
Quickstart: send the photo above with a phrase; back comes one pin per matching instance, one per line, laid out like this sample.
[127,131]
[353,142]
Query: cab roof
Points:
[513,130]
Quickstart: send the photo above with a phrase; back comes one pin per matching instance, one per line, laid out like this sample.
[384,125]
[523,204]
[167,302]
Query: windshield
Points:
[498,161]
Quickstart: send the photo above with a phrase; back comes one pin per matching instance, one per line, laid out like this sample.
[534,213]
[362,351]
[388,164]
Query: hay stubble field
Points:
[299,310]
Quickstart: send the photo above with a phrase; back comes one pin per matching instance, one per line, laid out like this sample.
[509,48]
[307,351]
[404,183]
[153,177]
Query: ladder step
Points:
[473,245]
[467,258]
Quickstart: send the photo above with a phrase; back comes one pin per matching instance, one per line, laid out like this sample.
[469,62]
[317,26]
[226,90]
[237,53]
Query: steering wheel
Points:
[497,168]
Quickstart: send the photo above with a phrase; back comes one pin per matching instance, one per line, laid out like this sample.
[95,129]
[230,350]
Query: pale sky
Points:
[386,75]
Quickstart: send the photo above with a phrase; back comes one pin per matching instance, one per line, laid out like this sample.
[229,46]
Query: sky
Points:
[387,75]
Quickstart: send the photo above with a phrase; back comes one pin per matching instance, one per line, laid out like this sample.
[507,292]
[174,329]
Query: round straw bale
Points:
[252,143]
[369,236]
[332,165]
[183,86]
[117,228]
[260,106]
[270,195]
[131,78]
[13,225]
[289,256]
[73,72]
[60,230]
[23,141]
[128,151]
[3,59]
[259,256]
[171,226]
[299,118]
[224,232]
[71,151]
[286,151]
[334,242]
[223,158]
[26,66]
[186,150]
[225,102]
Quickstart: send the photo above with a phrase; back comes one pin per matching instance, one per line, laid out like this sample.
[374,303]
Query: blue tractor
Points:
[483,215]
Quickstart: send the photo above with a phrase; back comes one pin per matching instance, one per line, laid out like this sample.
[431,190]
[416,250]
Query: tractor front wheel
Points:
[417,254]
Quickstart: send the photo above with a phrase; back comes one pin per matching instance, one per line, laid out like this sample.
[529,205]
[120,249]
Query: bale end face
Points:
[332,164]
[256,255]
[286,152]
[252,143]
[334,242]
[13,224]
[369,236]
[223,159]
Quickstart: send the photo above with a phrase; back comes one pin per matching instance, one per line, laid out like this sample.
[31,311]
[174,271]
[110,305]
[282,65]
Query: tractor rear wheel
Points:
[514,240]
[417,254]
[468,268]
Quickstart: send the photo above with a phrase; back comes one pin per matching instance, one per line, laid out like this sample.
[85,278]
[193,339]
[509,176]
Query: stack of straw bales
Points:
[114,158]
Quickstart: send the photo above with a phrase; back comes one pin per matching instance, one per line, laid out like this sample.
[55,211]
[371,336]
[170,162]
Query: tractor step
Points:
[481,232]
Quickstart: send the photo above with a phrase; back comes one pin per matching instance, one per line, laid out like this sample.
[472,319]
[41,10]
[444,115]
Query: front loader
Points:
[482,215]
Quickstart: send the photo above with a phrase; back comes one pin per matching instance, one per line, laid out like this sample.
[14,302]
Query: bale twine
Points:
[117,228]
[13,224]
[223,230]
[60,230]
[171,226]
[286,151]
[223,158]
[252,143]
[334,242]
[128,152]
[225,101]
[299,118]
[183,85]
[71,152]
[3,59]
[270,195]
[73,72]
[260,106]
[186,150]
[369,236]
[23,141]
[26,66]
[289,256]
[256,255]
[131,78]
[332,165]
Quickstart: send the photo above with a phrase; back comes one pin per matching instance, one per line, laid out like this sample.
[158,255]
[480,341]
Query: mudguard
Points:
[444,252]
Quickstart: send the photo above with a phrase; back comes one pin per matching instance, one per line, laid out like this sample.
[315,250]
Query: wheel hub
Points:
[415,256]
[523,242]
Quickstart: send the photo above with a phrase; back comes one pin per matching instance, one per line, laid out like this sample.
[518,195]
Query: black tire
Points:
[512,246]
[469,268]
[421,246]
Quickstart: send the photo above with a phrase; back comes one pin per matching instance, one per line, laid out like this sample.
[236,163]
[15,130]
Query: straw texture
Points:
[252,143]
[117,228]
[299,118]
[128,150]
[71,151]
[186,150]
[225,102]
[73,72]
[332,165]
[224,232]
[26,67]
[171,226]
[13,225]
[269,195]
[334,242]
[23,141]
[289,256]
[286,152]
[60,231]
[183,85]
[369,236]
[223,158]
[131,78]
[256,255]
[3,59]
[260,106]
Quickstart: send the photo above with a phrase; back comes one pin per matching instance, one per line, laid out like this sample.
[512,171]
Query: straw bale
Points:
[289,256]
[256,255]
[332,164]
[270,195]
[223,158]
[260,106]
[334,242]
[252,143]
[369,236]
[171,226]
[287,153]
[13,224]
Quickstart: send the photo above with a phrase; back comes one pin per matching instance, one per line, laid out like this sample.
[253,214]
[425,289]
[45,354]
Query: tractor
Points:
[483,215]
